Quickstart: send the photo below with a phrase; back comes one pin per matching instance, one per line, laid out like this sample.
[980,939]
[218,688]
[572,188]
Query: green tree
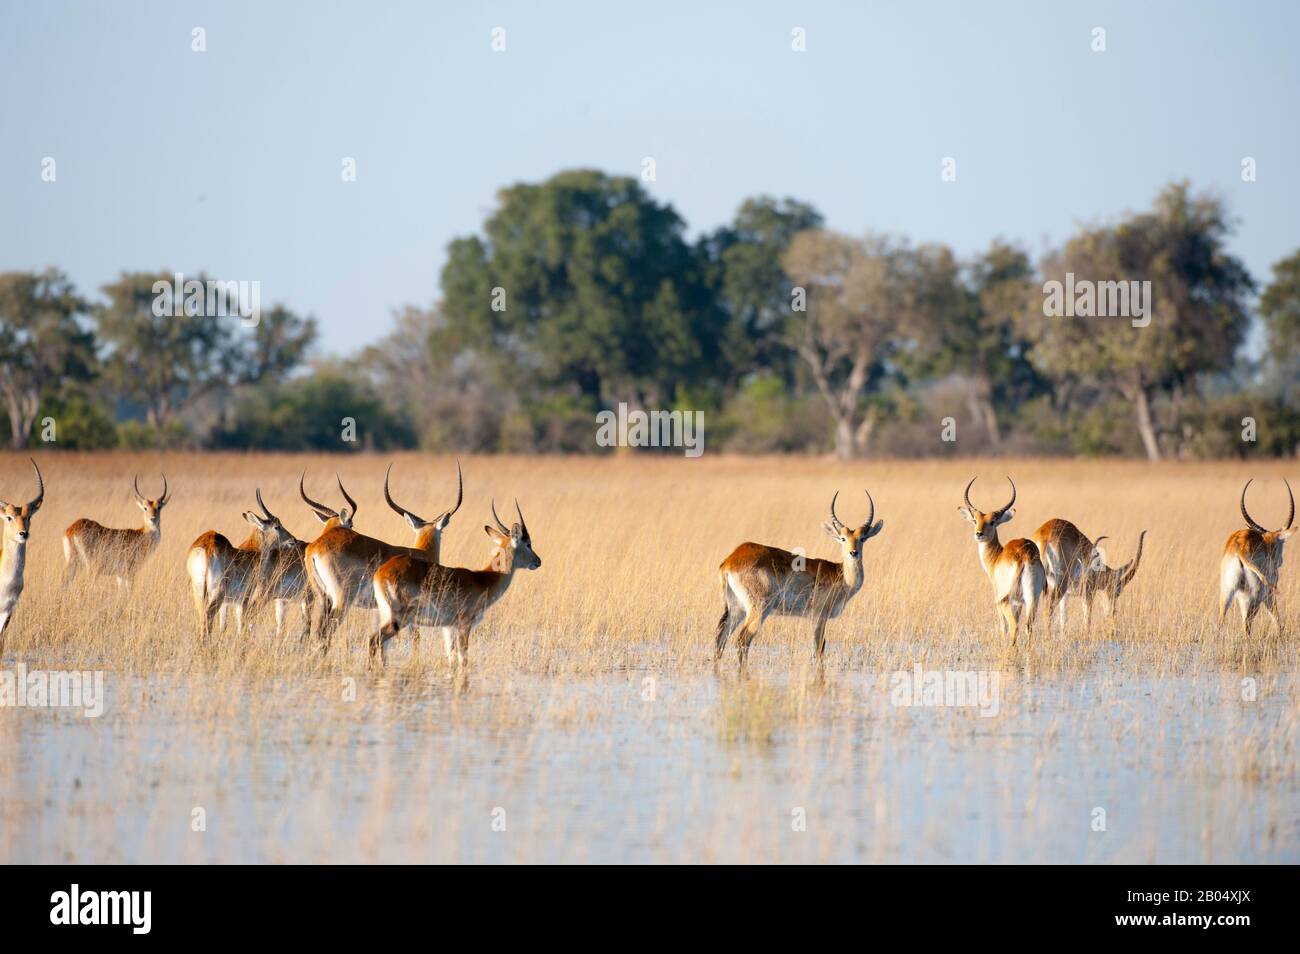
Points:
[751,287]
[167,364]
[858,309]
[1198,316]
[585,284]
[162,363]
[279,343]
[44,345]
[1279,307]
[972,329]
[312,412]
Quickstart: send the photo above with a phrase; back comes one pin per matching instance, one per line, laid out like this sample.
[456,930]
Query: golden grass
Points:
[630,550]
[592,713]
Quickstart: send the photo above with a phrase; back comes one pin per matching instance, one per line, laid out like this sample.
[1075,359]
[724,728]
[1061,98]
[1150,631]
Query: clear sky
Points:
[229,160]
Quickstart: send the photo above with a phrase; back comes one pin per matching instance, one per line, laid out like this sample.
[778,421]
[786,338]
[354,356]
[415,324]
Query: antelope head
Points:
[851,539]
[151,507]
[269,526]
[418,523]
[18,517]
[1272,539]
[323,513]
[514,547]
[986,524]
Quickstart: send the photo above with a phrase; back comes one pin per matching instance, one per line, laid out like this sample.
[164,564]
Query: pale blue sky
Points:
[228,161]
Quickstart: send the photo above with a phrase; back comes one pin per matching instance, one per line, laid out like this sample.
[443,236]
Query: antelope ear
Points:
[1285,535]
[966,512]
[831,530]
[321,517]
[499,538]
[412,522]
[1006,517]
[253,518]
[872,531]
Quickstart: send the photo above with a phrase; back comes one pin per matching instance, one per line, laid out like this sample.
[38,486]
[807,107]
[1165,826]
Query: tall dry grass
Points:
[630,550]
[592,715]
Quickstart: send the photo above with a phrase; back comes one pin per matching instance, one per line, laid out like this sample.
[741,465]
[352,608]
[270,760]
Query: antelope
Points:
[1109,581]
[410,591]
[341,562]
[105,551]
[761,580]
[1250,564]
[13,550]
[1015,570]
[1074,564]
[221,573]
[286,581]
[330,518]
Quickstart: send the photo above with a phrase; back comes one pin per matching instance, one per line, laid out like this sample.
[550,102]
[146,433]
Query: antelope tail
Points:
[196,566]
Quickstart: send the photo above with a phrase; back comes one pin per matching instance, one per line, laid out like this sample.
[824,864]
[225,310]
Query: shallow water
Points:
[1102,764]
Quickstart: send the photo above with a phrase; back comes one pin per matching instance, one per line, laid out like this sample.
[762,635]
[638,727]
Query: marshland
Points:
[592,722]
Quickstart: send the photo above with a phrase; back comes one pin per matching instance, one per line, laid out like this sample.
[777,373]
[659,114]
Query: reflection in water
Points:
[1088,763]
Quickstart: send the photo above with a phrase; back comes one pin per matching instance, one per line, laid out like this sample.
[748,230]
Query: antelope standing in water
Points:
[222,574]
[1074,565]
[759,580]
[411,591]
[1015,570]
[1250,564]
[13,550]
[341,563]
[105,551]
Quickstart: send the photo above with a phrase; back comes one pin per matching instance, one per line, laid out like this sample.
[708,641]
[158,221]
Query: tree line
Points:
[583,292]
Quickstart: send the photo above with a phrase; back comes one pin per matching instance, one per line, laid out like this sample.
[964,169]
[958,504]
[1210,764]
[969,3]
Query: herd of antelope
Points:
[409,586]
[339,570]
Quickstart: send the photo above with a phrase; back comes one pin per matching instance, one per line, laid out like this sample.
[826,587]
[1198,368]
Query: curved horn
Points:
[40,487]
[500,526]
[835,520]
[1249,521]
[136,485]
[265,512]
[1290,517]
[388,497]
[460,489]
[871,516]
[523,527]
[164,496]
[316,505]
[966,494]
[1131,567]
[343,490]
[446,515]
[1009,503]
